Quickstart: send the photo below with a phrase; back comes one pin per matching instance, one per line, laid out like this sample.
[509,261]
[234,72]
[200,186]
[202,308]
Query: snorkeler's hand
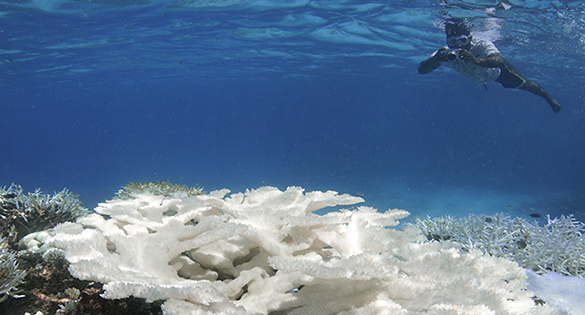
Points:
[439,55]
[467,56]
[442,50]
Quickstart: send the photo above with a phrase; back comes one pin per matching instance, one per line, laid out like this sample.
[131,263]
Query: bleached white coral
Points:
[558,246]
[35,243]
[264,251]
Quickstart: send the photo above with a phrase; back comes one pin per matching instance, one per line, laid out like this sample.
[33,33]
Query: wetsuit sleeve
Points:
[438,51]
[434,61]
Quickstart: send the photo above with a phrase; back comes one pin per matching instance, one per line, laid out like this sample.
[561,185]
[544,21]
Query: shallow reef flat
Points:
[171,249]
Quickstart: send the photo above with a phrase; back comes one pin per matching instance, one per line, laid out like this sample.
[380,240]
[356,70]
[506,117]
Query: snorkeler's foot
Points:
[555,106]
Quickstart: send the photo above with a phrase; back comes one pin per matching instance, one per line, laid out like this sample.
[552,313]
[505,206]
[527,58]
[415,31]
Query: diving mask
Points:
[458,41]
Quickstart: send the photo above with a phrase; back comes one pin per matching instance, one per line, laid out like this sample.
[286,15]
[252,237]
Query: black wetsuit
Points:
[509,77]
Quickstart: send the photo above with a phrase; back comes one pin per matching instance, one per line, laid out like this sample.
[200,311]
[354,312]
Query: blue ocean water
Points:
[320,94]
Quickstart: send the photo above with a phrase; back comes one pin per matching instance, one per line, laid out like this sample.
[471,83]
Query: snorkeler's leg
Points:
[534,88]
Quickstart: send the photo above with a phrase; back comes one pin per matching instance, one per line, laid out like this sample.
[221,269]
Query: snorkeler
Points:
[480,61]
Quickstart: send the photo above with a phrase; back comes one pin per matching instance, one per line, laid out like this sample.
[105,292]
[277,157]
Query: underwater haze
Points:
[319,94]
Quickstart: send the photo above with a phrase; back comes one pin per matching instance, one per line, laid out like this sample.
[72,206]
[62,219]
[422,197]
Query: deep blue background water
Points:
[319,94]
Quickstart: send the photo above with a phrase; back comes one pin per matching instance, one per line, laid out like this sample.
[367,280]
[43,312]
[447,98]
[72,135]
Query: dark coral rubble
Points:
[31,281]
[50,289]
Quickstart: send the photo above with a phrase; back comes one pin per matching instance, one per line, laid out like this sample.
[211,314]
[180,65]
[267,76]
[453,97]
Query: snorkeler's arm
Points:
[432,63]
[494,60]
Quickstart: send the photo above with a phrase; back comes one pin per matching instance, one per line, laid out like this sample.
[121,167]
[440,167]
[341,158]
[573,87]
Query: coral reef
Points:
[26,213]
[558,246]
[38,273]
[265,252]
[11,275]
[160,188]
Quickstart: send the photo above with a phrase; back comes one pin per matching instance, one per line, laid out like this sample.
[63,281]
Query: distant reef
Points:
[557,246]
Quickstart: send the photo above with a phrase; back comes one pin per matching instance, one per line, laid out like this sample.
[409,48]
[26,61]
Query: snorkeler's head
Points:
[458,34]
[456,27]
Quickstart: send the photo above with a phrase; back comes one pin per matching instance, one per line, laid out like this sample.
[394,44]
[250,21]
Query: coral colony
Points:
[558,246]
[160,188]
[26,213]
[10,275]
[265,251]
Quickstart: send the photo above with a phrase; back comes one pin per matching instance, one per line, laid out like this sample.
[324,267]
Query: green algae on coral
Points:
[160,188]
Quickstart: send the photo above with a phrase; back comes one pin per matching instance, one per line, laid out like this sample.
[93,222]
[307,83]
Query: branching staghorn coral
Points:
[558,246]
[160,188]
[10,275]
[26,213]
